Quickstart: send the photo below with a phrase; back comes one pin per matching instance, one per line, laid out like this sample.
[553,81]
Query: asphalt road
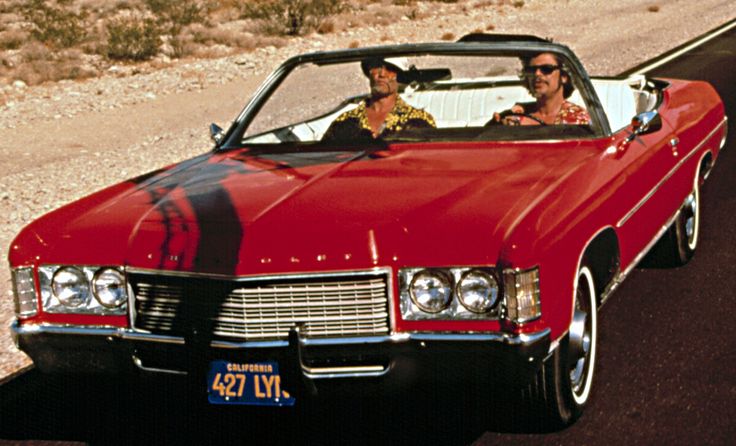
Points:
[666,371]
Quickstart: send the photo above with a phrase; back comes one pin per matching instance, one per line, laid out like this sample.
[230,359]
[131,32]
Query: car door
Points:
[646,196]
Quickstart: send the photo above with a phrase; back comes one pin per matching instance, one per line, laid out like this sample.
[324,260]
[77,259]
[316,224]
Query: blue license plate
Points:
[256,384]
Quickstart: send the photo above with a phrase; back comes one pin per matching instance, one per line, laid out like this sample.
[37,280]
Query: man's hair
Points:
[567,87]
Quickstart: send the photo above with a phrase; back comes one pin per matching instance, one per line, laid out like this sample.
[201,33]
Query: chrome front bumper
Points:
[405,356]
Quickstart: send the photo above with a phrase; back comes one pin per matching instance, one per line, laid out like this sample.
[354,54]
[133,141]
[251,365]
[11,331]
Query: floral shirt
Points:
[569,114]
[353,124]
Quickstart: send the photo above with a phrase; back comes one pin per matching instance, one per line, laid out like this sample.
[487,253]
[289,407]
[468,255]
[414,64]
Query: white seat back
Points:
[467,107]
[618,101]
[475,107]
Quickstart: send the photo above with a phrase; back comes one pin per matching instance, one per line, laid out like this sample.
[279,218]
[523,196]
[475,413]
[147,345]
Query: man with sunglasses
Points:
[550,85]
[384,113]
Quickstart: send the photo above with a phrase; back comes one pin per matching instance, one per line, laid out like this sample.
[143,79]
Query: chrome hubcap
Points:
[579,347]
[580,338]
[691,208]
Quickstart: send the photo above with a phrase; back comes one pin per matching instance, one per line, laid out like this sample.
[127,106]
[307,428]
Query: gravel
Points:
[54,138]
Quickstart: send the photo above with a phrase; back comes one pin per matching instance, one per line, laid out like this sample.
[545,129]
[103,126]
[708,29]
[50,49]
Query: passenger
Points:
[546,79]
[384,113]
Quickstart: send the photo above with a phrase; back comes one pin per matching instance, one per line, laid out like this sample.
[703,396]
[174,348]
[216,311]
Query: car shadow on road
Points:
[117,410]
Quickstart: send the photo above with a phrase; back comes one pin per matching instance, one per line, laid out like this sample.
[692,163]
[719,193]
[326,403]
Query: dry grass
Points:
[156,31]
[42,65]
[221,36]
[12,39]
[289,17]
[326,27]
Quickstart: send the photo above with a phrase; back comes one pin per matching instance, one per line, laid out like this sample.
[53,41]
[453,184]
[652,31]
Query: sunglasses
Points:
[546,69]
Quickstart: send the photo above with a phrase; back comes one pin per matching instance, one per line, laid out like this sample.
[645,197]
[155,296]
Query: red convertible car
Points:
[316,246]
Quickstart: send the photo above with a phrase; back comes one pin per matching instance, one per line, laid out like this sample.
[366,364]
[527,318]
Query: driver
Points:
[384,113]
[547,80]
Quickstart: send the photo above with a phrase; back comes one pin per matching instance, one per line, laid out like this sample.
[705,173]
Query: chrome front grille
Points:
[263,309]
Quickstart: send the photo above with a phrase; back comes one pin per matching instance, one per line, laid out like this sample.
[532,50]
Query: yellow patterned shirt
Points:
[353,124]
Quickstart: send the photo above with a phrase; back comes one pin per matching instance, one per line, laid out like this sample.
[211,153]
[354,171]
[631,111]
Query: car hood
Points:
[248,212]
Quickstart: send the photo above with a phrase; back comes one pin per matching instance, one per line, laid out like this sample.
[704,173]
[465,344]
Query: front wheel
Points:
[562,387]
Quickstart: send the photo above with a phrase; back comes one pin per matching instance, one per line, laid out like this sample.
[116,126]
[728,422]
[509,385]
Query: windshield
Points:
[423,98]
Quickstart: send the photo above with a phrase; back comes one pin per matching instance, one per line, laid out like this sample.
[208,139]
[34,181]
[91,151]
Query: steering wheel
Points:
[508,113]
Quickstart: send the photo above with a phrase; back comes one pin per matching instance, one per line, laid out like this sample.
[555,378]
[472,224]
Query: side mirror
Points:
[216,133]
[643,123]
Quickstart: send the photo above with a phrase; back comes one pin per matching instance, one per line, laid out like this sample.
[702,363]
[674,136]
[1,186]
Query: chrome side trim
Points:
[682,161]
[616,282]
[621,276]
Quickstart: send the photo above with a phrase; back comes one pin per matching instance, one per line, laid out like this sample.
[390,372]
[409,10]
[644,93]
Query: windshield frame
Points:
[599,122]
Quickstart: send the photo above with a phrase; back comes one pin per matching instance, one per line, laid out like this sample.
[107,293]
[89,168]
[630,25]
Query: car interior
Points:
[470,103]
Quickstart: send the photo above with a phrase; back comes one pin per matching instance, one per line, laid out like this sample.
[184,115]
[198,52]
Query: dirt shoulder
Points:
[62,141]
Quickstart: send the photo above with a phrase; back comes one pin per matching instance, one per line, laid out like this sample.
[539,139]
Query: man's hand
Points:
[508,117]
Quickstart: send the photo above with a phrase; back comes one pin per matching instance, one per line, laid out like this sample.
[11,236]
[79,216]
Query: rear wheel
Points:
[677,245]
[686,228]
[562,386]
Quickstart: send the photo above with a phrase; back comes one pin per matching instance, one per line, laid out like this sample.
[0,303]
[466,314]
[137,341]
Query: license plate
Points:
[256,384]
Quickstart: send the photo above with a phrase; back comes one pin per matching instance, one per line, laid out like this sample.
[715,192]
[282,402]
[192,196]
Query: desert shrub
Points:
[214,36]
[12,40]
[40,64]
[174,15]
[54,24]
[182,45]
[290,17]
[132,38]
[34,51]
[326,27]
[120,5]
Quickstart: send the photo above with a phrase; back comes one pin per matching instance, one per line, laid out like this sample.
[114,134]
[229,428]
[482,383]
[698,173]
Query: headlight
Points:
[450,293]
[108,287]
[83,289]
[478,291]
[431,291]
[70,287]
